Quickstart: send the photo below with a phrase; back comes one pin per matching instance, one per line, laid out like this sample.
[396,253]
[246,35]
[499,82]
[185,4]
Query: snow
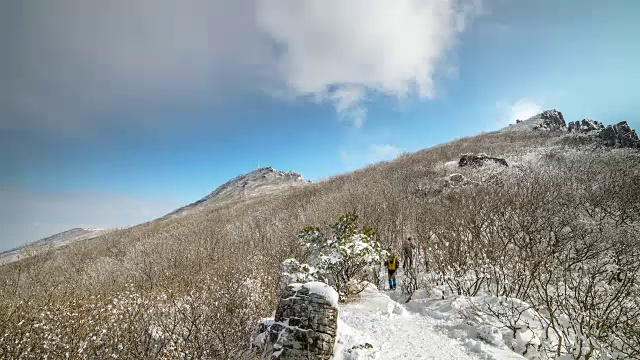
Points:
[296,286]
[455,316]
[433,325]
[377,327]
[320,288]
[380,324]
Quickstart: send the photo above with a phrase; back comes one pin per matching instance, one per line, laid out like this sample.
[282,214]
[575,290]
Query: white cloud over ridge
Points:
[69,60]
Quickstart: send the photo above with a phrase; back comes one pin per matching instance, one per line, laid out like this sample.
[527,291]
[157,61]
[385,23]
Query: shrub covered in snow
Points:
[295,272]
[338,258]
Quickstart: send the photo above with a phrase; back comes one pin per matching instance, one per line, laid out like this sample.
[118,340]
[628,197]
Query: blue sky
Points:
[109,118]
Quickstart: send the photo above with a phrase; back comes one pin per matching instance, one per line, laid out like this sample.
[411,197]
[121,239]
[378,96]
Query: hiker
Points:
[392,265]
[407,252]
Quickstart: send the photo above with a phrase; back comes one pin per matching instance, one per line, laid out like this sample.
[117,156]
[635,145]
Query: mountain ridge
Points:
[53,241]
[260,182]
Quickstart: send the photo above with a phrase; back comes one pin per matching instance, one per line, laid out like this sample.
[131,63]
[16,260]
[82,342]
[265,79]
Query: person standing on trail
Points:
[392,265]
[407,252]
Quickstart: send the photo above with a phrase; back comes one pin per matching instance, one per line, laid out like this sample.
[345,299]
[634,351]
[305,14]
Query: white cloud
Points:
[348,103]
[70,61]
[522,109]
[335,48]
[28,216]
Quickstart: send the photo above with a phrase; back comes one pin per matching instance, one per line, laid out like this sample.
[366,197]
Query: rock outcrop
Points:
[587,125]
[305,323]
[472,159]
[551,120]
[619,135]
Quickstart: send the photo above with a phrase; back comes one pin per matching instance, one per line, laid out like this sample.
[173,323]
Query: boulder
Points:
[457,178]
[472,159]
[619,135]
[305,323]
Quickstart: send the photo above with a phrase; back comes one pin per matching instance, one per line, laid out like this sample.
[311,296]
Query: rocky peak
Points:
[619,135]
[547,120]
[551,120]
[259,182]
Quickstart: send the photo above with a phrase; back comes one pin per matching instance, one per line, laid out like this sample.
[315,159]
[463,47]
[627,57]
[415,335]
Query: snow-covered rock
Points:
[305,323]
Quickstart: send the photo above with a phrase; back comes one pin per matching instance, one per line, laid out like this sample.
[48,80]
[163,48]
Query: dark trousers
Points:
[392,278]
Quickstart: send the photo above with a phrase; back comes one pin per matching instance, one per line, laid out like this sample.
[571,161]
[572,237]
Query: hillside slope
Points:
[64,238]
[564,198]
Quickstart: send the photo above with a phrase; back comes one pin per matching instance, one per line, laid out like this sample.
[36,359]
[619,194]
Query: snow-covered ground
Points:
[375,326]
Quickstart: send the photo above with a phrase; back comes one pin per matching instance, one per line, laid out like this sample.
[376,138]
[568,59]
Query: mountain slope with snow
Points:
[260,182]
[60,239]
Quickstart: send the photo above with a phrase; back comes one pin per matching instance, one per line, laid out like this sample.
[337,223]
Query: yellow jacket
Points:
[392,264]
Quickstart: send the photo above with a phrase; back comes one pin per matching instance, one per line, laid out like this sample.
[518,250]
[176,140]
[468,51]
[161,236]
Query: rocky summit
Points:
[551,120]
[619,135]
[257,183]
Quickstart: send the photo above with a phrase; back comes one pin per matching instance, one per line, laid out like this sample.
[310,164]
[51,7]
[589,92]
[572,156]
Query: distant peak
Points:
[259,182]
[551,119]
[271,170]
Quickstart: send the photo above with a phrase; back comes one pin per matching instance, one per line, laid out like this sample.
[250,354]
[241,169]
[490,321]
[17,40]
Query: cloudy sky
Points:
[116,112]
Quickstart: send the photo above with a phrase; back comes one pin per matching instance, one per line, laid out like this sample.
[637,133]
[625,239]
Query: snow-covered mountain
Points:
[260,182]
[53,241]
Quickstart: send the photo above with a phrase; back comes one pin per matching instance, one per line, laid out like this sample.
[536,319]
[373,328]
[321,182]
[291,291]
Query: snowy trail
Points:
[393,332]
